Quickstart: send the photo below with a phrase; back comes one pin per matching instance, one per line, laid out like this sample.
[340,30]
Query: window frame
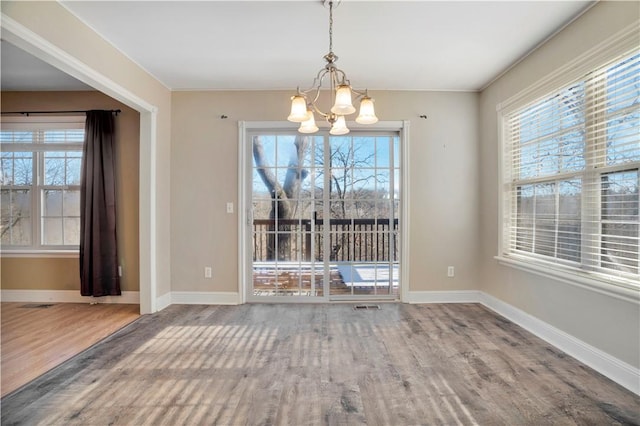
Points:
[564,271]
[39,148]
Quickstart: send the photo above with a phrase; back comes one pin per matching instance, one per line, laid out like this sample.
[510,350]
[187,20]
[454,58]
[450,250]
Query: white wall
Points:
[443,189]
[607,323]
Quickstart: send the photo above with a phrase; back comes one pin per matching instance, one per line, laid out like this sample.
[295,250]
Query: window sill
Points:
[39,253]
[623,290]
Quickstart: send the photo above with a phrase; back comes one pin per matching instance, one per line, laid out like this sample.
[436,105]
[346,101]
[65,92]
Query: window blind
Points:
[571,170]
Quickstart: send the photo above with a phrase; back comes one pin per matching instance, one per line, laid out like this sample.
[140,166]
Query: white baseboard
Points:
[459,296]
[66,296]
[619,371]
[163,301]
[205,298]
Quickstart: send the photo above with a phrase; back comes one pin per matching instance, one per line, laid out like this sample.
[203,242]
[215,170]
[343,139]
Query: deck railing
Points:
[350,240]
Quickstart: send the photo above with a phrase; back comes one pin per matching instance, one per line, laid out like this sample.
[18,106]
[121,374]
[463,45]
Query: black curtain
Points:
[98,244]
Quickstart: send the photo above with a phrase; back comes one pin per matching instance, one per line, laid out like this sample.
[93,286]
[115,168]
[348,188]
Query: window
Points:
[40,183]
[571,176]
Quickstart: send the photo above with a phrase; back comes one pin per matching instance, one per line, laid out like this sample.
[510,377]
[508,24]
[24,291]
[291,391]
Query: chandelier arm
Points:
[317,81]
[323,114]
[358,93]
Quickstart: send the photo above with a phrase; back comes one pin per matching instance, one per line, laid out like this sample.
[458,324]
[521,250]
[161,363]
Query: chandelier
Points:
[305,102]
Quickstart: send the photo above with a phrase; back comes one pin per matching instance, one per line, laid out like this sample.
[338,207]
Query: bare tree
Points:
[355,190]
[347,180]
[16,171]
[282,195]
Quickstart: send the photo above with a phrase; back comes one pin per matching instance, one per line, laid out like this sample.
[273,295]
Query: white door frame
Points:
[245,219]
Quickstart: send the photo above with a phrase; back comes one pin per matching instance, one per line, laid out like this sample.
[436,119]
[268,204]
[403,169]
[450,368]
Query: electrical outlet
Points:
[207,271]
[119,271]
[451,272]
[229,207]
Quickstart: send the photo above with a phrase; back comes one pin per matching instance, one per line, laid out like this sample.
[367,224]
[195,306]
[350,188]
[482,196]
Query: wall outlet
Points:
[119,271]
[451,272]
[229,207]
[207,271]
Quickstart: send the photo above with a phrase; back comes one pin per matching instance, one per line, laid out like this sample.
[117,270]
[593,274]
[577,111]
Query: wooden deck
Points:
[294,279]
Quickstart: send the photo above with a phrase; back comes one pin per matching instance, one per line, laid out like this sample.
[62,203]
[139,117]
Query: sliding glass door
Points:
[324,216]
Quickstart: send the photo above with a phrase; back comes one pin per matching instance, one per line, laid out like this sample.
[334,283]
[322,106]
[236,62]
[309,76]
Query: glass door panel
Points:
[362,219]
[325,216]
[284,192]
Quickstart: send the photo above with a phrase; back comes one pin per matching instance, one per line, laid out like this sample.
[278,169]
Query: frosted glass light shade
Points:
[308,126]
[343,105]
[367,113]
[298,109]
[339,127]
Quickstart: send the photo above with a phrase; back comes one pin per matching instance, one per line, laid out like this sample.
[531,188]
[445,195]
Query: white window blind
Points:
[571,175]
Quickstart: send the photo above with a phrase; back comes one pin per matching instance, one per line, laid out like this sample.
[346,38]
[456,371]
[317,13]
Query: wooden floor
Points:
[38,336]
[285,364]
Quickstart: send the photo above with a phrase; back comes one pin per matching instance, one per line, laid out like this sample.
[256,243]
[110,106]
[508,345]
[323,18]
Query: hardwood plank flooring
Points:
[38,336]
[286,364]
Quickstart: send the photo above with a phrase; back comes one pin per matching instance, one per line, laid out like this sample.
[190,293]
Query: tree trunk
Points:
[283,207]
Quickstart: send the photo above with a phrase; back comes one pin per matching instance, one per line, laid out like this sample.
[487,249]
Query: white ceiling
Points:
[255,45]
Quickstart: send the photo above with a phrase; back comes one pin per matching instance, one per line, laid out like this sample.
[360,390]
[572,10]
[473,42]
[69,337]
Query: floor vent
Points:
[365,307]
[36,306]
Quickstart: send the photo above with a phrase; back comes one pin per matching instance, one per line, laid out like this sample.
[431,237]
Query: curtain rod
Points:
[27,113]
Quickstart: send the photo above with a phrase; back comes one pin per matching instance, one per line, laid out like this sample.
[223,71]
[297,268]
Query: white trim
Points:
[243,213]
[40,254]
[392,125]
[553,271]
[75,120]
[24,38]
[619,371]
[66,296]
[205,298]
[147,215]
[163,301]
[456,296]
[405,234]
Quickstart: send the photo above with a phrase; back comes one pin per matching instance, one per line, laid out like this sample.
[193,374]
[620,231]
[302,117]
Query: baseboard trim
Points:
[611,367]
[66,296]
[456,296]
[163,301]
[205,298]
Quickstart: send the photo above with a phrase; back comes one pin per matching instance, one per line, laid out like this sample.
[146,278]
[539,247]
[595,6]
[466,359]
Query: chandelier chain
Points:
[330,27]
